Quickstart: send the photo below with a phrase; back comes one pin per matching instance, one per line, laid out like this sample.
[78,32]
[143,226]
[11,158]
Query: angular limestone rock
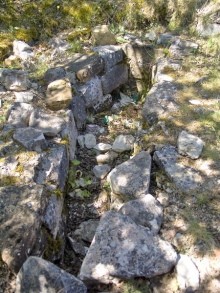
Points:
[24,97]
[106,158]
[121,249]
[131,179]
[123,143]
[89,140]
[185,178]
[22,210]
[87,230]
[15,80]
[30,138]
[79,111]
[50,125]
[39,275]
[59,94]
[145,211]
[53,74]
[19,114]
[103,147]
[101,171]
[189,145]
[101,36]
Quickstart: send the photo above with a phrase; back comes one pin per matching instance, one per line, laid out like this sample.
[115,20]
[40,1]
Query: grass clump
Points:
[136,286]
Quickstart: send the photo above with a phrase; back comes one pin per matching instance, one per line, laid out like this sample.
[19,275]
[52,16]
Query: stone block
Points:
[19,114]
[15,80]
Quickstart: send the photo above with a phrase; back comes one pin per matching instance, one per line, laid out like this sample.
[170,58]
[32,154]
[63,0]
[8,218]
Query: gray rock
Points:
[166,39]
[19,114]
[121,249]
[87,230]
[101,36]
[101,171]
[91,92]
[69,133]
[131,179]
[53,167]
[187,274]
[189,145]
[15,80]
[110,54]
[59,94]
[162,100]
[24,97]
[115,77]
[53,213]
[50,125]
[77,246]
[185,178]
[53,74]
[164,67]
[207,29]
[103,147]
[30,138]
[145,211]
[123,143]
[104,104]
[94,129]
[46,277]
[79,111]
[22,210]
[81,141]
[20,46]
[181,48]
[106,158]
[89,140]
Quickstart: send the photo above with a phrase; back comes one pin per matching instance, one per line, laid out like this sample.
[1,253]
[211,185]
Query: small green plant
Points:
[202,200]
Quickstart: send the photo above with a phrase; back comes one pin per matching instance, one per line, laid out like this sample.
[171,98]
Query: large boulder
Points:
[22,210]
[131,179]
[122,249]
[39,275]
[59,94]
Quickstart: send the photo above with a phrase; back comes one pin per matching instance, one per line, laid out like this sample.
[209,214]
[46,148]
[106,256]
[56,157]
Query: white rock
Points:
[123,143]
[189,145]
[103,147]
[101,171]
[90,140]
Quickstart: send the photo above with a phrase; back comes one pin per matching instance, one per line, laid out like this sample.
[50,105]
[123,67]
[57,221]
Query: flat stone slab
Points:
[185,178]
[30,138]
[39,275]
[181,48]
[22,210]
[50,125]
[161,101]
[145,211]
[121,249]
[189,145]
[131,179]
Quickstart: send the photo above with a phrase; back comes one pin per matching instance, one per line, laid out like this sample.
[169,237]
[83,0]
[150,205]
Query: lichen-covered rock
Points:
[19,114]
[181,48]
[39,275]
[79,111]
[50,125]
[59,94]
[15,80]
[101,36]
[22,210]
[30,138]
[24,97]
[87,230]
[131,179]
[145,211]
[121,249]
[189,145]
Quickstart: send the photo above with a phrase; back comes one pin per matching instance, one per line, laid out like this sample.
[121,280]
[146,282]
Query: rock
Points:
[121,249]
[53,74]
[101,171]
[69,134]
[19,47]
[209,29]
[106,158]
[12,61]
[19,114]
[131,179]
[46,277]
[81,141]
[94,129]
[89,140]
[24,97]
[151,36]
[15,80]
[91,92]
[185,178]
[77,246]
[53,168]
[30,138]
[59,94]
[166,39]
[187,274]
[101,36]
[110,54]
[189,145]
[163,198]
[162,100]
[87,230]
[116,76]
[50,125]
[103,147]
[123,143]
[181,48]
[22,210]
[85,67]
[145,211]
[79,111]
[164,67]
[104,104]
